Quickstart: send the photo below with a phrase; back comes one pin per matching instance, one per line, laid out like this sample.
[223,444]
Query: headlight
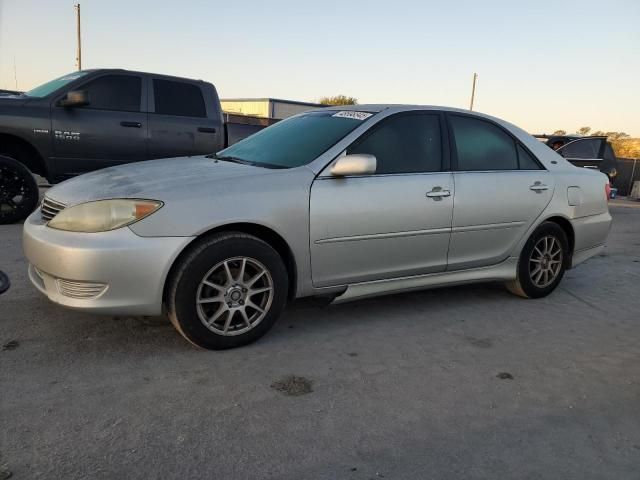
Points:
[103,215]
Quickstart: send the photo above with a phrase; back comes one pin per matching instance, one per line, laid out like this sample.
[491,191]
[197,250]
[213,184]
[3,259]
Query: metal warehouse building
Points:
[266,107]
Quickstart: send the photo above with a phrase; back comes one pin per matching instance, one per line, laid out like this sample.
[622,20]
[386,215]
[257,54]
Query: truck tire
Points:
[19,192]
[228,291]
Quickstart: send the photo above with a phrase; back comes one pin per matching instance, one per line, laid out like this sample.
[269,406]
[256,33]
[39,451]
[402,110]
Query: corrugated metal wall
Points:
[258,108]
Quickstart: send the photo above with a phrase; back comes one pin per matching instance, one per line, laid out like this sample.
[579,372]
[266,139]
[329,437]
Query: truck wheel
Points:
[19,192]
[227,292]
[542,262]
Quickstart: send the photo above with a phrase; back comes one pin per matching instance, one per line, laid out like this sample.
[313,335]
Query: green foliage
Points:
[584,131]
[338,100]
[560,132]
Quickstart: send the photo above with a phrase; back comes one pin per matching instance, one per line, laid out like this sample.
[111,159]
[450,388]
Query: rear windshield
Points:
[53,85]
[298,140]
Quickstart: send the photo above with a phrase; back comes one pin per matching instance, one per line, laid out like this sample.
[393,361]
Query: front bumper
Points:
[116,272]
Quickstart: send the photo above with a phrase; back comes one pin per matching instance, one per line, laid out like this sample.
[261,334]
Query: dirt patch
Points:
[11,345]
[504,376]
[293,386]
[480,342]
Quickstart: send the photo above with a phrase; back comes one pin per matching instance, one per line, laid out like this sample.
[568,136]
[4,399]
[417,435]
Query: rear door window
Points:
[178,98]
[480,145]
[404,144]
[114,92]
[526,160]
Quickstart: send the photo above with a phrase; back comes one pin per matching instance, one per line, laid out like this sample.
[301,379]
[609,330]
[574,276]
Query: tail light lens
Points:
[607,191]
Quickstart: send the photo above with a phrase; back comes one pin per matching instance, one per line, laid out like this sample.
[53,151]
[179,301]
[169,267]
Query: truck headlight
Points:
[103,215]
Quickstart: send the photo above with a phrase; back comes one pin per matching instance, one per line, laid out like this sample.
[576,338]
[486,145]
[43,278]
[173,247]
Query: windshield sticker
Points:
[71,77]
[354,115]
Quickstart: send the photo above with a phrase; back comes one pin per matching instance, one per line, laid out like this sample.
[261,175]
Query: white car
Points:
[342,202]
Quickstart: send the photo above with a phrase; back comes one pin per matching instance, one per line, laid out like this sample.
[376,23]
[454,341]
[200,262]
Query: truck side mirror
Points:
[75,98]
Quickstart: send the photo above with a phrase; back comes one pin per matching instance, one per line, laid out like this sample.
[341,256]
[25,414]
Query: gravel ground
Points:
[467,382]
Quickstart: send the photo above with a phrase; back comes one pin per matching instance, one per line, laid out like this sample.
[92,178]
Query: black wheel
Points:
[19,192]
[542,262]
[228,291]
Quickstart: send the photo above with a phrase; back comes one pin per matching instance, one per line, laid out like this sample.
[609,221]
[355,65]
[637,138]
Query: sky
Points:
[543,65]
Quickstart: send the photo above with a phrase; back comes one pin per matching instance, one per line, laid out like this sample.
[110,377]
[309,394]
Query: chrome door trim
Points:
[374,236]
[490,226]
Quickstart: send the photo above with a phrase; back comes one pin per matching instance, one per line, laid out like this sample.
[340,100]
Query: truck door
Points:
[591,152]
[178,121]
[109,130]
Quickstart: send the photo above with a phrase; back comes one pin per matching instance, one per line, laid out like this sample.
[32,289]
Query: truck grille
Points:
[50,208]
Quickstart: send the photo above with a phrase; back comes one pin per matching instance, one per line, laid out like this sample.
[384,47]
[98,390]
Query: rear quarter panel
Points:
[579,197]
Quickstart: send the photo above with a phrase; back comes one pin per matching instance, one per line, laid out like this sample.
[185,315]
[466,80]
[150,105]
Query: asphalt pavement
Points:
[467,382]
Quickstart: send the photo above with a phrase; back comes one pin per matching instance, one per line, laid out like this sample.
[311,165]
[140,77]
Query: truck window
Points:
[178,98]
[114,92]
[53,85]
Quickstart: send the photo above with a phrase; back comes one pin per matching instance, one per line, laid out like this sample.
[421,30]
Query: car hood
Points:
[153,179]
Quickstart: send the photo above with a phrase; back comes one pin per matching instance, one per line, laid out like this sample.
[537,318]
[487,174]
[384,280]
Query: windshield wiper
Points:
[228,158]
[242,161]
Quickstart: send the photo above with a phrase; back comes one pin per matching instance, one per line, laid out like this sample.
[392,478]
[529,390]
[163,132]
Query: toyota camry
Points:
[340,202]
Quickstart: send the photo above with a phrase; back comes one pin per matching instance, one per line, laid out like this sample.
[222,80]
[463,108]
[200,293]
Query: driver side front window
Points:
[403,144]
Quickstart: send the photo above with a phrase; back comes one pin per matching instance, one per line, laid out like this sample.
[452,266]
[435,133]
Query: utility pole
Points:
[15,72]
[79,52]
[473,90]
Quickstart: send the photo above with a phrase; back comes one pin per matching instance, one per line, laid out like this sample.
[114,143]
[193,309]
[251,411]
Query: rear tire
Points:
[19,193]
[228,291]
[542,262]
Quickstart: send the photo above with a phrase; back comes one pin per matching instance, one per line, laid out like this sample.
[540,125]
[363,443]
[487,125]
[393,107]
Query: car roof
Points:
[379,107]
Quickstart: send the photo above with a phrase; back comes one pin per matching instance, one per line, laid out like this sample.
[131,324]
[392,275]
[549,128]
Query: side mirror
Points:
[75,98]
[356,164]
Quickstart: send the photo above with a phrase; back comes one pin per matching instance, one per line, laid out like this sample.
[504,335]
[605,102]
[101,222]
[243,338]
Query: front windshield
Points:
[296,141]
[53,85]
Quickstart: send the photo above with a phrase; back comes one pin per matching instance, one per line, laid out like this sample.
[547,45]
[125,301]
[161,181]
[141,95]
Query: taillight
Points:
[607,191]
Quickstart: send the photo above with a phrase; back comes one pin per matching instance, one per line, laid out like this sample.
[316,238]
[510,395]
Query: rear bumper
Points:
[114,272]
[590,235]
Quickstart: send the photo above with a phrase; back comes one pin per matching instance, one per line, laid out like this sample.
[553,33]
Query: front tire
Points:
[19,193]
[228,291]
[542,262]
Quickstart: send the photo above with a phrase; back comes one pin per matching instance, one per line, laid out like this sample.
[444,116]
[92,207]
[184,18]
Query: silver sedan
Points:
[345,203]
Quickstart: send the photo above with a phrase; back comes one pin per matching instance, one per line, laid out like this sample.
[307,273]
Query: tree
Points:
[584,131]
[560,132]
[616,135]
[339,100]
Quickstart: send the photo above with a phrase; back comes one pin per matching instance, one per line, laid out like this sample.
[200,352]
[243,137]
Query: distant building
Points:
[266,107]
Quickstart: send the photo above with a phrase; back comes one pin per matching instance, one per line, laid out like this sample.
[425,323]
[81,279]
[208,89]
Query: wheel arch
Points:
[567,227]
[32,159]
[266,234]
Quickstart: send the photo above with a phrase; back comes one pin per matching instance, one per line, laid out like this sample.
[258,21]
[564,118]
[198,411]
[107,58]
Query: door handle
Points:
[538,187]
[131,124]
[206,130]
[438,193]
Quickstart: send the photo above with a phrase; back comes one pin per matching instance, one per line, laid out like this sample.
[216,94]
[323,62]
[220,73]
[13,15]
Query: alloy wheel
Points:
[545,262]
[234,296]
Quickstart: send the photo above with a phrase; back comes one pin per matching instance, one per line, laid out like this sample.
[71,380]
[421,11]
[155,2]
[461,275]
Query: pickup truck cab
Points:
[93,119]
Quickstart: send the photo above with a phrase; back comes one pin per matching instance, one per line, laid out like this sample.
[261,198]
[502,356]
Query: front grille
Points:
[50,208]
[72,289]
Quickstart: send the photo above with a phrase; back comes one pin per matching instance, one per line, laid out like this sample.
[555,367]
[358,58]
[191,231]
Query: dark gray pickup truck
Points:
[92,119]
